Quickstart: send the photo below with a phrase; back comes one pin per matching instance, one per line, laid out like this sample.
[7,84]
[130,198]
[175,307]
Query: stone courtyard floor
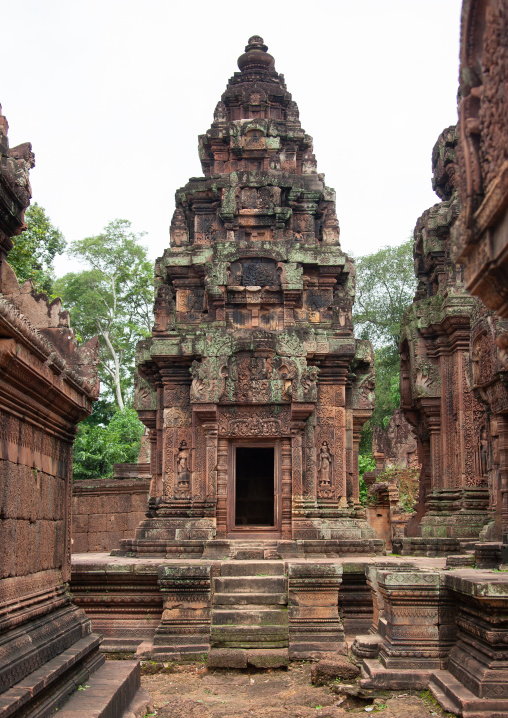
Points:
[193,691]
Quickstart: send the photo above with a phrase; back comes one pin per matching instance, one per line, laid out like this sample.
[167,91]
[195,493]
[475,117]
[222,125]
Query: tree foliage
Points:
[35,249]
[365,463]
[385,286]
[111,298]
[98,447]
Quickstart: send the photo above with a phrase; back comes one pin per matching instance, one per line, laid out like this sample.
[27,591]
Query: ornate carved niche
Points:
[252,379]
[208,380]
[164,309]
[205,225]
[190,305]
[325,471]
[482,358]
[179,233]
[254,297]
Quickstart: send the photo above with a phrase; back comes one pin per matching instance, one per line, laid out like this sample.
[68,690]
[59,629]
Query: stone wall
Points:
[107,510]
[47,385]
[452,425]
[480,237]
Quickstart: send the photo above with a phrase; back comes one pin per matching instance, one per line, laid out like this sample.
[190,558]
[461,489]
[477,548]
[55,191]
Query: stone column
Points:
[184,631]
[314,622]
[415,620]
[222,487]
[286,461]
[479,658]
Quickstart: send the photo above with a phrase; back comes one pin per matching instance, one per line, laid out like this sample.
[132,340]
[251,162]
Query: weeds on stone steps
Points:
[429,701]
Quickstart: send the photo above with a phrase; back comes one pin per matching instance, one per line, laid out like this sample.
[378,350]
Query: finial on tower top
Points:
[256,42]
[256,57]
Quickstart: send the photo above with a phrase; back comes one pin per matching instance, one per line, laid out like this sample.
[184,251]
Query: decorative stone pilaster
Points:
[315,626]
[476,683]
[480,657]
[184,631]
[415,621]
[436,387]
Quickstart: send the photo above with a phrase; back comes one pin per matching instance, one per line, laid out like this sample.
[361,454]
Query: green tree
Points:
[35,249]
[113,299]
[98,447]
[385,286]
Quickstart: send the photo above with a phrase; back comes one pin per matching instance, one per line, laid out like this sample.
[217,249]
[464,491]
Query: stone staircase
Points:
[249,623]
[253,550]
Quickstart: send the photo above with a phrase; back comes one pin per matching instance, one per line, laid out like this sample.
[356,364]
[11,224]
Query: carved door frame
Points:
[254,531]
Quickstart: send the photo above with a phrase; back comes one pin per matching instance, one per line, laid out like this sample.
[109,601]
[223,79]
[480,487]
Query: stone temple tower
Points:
[252,385]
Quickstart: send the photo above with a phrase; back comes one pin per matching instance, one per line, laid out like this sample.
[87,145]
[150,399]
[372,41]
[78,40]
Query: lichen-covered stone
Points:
[253,340]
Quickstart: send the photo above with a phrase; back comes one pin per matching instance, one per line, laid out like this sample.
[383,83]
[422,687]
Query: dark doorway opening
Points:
[254,502]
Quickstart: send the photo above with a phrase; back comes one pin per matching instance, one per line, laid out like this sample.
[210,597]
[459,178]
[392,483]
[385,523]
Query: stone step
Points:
[63,670]
[248,616]
[249,637]
[250,584]
[253,568]
[456,698]
[106,694]
[241,658]
[253,599]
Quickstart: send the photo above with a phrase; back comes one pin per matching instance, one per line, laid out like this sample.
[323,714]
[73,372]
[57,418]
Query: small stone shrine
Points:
[252,385]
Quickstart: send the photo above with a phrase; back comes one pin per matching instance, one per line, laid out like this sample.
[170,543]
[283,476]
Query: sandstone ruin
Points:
[253,386]
[254,391]
[47,385]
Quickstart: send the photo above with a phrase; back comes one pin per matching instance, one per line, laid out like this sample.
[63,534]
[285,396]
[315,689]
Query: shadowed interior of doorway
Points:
[254,491]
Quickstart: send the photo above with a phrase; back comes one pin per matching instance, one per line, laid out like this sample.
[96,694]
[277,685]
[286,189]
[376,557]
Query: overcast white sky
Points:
[113,94]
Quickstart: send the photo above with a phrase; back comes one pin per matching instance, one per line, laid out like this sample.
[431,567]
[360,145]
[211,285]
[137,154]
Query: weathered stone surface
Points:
[124,603]
[104,511]
[315,626]
[481,238]
[327,670]
[252,384]
[47,385]
[452,426]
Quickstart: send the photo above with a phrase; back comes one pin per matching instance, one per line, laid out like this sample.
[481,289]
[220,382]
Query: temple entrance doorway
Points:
[253,506]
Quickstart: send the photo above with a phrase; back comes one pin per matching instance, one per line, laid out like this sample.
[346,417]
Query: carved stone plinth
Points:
[315,626]
[184,631]
[479,659]
[455,513]
[426,546]
[123,601]
[477,681]
[415,620]
[488,555]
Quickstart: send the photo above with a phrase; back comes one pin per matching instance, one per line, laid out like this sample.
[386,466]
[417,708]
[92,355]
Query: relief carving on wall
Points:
[262,421]
[208,380]
[325,467]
